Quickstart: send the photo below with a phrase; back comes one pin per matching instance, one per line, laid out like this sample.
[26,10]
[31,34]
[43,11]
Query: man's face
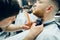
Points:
[39,7]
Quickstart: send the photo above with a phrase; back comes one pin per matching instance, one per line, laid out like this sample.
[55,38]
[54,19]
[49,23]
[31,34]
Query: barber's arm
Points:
[11,27]
[34,32]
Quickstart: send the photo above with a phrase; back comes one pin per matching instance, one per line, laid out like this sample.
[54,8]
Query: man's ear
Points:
[49,9]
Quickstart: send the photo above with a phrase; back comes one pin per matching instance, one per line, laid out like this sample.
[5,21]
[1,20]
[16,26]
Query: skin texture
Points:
[42,9]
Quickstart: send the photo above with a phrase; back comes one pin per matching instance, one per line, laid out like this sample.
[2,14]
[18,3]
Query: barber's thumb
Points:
[41,26]
[34,24]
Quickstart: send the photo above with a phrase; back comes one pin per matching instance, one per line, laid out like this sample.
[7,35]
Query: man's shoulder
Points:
[48,36]
[48,33]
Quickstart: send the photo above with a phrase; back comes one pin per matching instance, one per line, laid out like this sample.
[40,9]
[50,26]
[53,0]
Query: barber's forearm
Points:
[13,28]
[30,36]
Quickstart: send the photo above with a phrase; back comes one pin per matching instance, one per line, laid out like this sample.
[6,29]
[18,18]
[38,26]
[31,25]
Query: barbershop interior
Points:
[29,19]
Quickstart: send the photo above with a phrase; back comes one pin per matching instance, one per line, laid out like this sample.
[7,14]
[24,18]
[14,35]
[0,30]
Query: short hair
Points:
[8,8]
[56,4]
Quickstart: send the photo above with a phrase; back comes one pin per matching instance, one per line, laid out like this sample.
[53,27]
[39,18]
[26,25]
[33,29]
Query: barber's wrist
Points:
[29,37]
[32,35]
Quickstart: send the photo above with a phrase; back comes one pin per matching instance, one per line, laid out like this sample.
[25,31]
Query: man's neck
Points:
[47,18]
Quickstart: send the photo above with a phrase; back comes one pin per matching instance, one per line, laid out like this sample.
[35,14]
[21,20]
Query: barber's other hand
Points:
[35,30]
[25,27]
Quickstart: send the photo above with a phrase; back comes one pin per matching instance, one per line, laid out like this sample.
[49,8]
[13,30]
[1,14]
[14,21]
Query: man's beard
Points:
[38,14]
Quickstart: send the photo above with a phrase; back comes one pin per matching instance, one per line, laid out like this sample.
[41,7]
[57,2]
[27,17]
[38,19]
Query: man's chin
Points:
[36,14]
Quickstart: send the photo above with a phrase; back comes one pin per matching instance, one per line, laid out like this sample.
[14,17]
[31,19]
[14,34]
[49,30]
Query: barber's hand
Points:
[35,30]
[28,25]
[6,22]
[25,27]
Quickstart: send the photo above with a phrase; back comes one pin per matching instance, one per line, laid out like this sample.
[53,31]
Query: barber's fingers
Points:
[40,25]
[36,29]
[25,27]
[34,24]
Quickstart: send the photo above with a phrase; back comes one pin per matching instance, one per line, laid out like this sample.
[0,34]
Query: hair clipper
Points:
[39,22]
